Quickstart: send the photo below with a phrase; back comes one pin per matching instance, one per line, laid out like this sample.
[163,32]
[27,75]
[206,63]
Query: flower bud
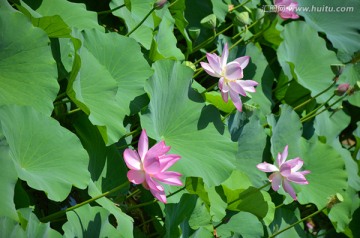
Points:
[160,4]
[243,18]
[337,69]
[334,199]
[342,89]
[230,7]
[209,21]
[194,32]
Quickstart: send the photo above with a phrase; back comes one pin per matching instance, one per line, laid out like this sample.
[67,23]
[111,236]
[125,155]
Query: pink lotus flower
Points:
[148,167]
[285,173]
[230,75]
[286,9]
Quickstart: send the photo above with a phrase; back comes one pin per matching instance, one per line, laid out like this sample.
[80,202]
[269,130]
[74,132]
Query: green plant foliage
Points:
[26,66]
[139,9]
[122,80]
[314,73]
[244,224]
[29,226]
[73,14]
[89,221]
[109,107]
[33,152]
[284,217]
[335,20]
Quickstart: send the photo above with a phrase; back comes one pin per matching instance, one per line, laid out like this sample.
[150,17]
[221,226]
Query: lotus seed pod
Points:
[209,21]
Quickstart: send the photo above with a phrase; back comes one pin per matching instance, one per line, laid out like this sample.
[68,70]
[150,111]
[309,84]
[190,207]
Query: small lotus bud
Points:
[335,199]
[160,4]
[194,32]
[209,21]
[337,69]
[230,7]
[243,18]
[342,89]
[260,13]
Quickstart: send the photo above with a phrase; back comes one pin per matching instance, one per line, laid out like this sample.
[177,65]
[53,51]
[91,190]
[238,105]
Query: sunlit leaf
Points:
[307,59]
[28,71]
[47,156]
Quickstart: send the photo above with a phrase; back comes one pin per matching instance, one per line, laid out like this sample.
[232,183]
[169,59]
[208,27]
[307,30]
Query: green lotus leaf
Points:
[285,217]
[177,213]
[139,9]
[47,156]
[109,80]
[73,14]
[88,221]
[307,58]
[8,180]
[27,66]
[337,19]
[244,224]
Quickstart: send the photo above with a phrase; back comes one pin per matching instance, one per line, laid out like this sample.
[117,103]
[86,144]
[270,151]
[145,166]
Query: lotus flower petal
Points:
[266,167]
[233,71]
[289,189]
[236,100]
[275,179]
[132,159]
[136,176]
[143,144]
[243,61]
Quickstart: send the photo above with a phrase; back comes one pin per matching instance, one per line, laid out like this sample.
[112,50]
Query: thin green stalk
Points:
[239,41]
[227,115]
[320,106]
[134,132]
[298,222]
[282,85]
[141,22]
[172,4]
[155,200]
[177,191]
[240,5]
[207,41]
[148,221]
[127,145]
[314,115]
[197,73]
[317,95]
[62,212]
[73,111]
[209,88]
[60,96]
[142,205]
[111,10]
[133,193]
[250,26]
[278,206]
[61,102]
